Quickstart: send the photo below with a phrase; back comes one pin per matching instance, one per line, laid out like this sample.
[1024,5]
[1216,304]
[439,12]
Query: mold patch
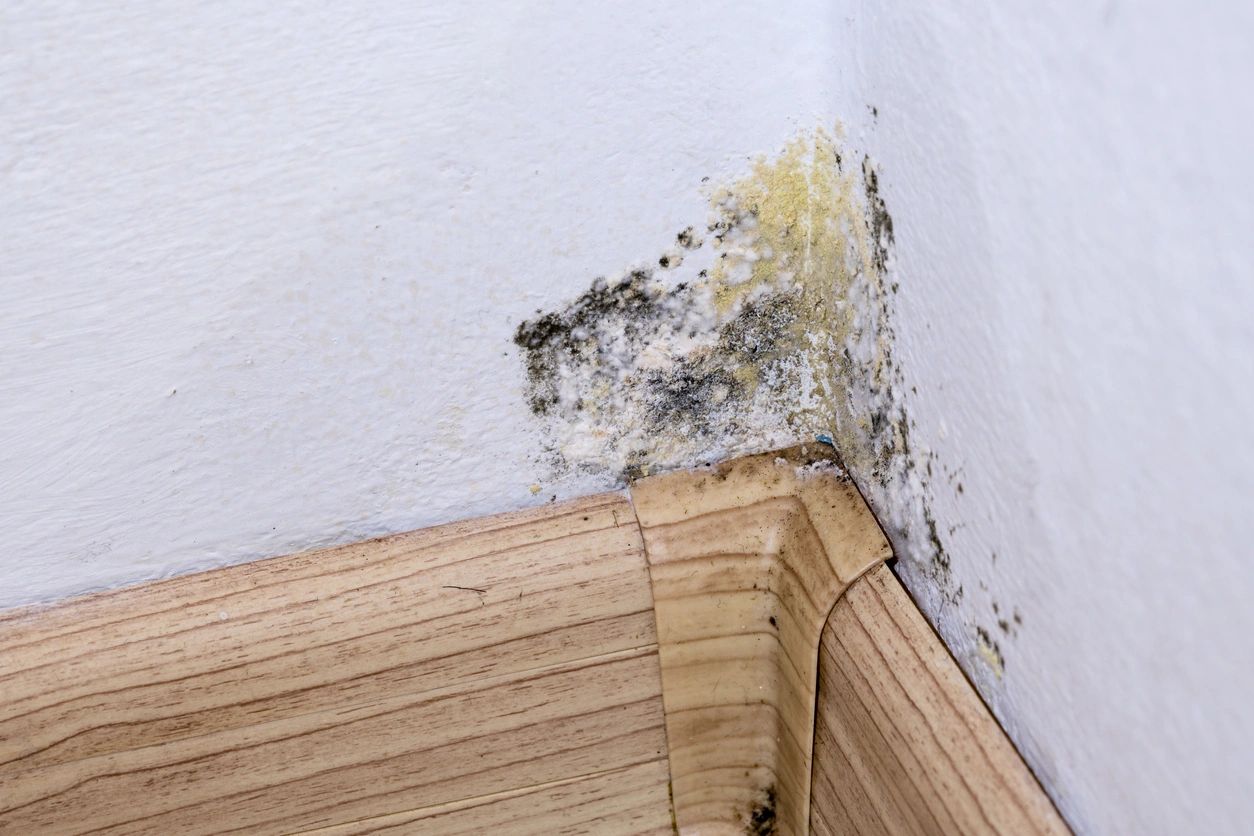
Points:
[767,329]
[990,652]
[762,819]
[769,324]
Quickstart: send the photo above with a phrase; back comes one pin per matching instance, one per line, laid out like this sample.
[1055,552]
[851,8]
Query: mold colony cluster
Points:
[750,335]
[769,325]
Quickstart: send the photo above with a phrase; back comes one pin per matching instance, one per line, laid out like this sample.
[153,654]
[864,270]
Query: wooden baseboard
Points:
[903,744]
[505,674]
[747,559]
[455,677]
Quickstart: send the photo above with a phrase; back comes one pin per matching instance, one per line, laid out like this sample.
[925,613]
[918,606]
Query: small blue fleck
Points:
[824,438]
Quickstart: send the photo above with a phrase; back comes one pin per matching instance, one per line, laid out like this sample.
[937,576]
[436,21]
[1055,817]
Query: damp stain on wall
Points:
[767,324]
[757,328]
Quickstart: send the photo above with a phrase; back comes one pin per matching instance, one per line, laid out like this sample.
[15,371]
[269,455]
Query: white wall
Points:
[1073,190]
[262,263]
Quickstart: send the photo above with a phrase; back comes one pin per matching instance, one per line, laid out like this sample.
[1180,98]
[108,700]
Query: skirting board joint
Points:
[747,559]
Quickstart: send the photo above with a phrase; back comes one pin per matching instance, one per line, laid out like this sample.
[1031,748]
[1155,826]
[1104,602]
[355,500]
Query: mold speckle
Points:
[762,819]
[938,566]
[670,260]
[881,222]
[990,652]
[688,239]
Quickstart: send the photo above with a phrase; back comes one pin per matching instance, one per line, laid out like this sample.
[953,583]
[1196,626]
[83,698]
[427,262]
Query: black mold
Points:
[554,337]
[689,393]
[762,819]
[636,461]
[878,219]
[698,394]
[992,645]
[761,329]
[939,556]
[688,239]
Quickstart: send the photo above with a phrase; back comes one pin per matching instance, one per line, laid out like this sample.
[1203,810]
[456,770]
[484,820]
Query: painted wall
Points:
[1072,189]
[262,266]
[263,269]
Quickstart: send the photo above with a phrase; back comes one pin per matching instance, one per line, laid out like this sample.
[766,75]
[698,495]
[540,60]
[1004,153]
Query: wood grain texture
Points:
[616,802]
[903,744]
[501,672]
[746,560]
[505,675]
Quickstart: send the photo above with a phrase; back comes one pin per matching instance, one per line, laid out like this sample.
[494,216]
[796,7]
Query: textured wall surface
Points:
[1072,190]
[263,268]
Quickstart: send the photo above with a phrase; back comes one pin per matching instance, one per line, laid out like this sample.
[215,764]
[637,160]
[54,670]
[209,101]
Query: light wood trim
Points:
[505,675]
[616,801]
[746,560]
[496,673]
[903,744]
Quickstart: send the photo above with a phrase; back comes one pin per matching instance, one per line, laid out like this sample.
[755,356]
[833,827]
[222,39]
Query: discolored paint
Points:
[771,328]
